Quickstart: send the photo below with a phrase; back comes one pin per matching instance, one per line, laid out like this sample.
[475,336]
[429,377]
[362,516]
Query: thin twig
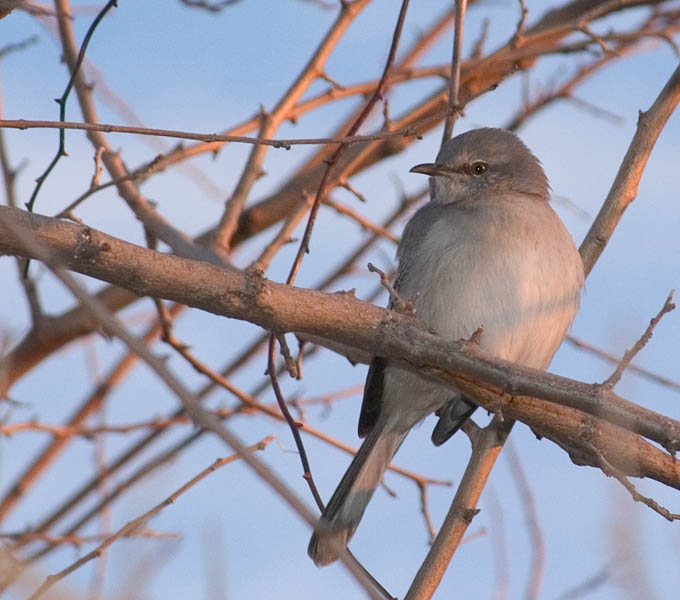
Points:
[288,359]
[519,32]
[347,185]
[9,176]
[283,237]
[589,585]
[611,471]
[365,223]
[413,130]
[454,79]
[301,354]
[499,545]
[17,46]
[613,358]
[629,355]
[10,429]
[593,109]
[424,509]
[61,149]
[396,301]
[596,38]
[293,425]
[22,537]
[214,7]
[478,47]
[139,173]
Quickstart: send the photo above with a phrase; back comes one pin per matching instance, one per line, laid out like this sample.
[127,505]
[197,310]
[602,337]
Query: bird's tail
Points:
[346,507]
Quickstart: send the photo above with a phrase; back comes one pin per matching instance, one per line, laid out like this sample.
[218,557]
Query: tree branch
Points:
[341,317]
[625,186]
[485,449]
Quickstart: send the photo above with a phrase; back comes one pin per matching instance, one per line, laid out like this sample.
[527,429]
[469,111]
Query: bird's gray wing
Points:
[414,233]
[373,391]
[458,409]
[374,387]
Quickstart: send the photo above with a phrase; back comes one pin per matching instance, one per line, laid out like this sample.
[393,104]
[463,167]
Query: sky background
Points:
[186,69]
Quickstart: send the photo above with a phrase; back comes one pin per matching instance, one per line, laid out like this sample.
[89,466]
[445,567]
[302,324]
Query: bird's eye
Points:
[478,167]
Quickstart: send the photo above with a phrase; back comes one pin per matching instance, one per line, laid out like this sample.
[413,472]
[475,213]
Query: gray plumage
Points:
[486,251]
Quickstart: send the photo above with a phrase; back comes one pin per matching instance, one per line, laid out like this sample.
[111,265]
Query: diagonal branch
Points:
[486,447]
[629,355]
[356,324]
[625,186]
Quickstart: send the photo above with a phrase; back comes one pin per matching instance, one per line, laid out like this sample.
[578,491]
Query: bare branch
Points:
[283,237]
[349,321]
[363,222]
[485,450]
[396,302]
[519,33]
[17,46]
[629,355]
[22,537]
[592,583]
[613,358]
[625,186]
[454,79]
[611,471]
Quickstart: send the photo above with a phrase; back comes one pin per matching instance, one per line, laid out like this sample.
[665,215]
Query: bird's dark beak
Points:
[430,169]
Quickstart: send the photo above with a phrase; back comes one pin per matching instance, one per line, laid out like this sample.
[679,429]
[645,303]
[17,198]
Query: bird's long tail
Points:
[346,507]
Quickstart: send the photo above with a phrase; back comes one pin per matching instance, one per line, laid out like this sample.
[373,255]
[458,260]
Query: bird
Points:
[487,251]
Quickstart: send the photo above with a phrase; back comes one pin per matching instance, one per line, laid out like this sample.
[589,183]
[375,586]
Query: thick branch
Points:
[345,319]
[625,186]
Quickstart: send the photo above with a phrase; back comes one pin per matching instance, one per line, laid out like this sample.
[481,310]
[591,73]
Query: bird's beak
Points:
[430,169]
